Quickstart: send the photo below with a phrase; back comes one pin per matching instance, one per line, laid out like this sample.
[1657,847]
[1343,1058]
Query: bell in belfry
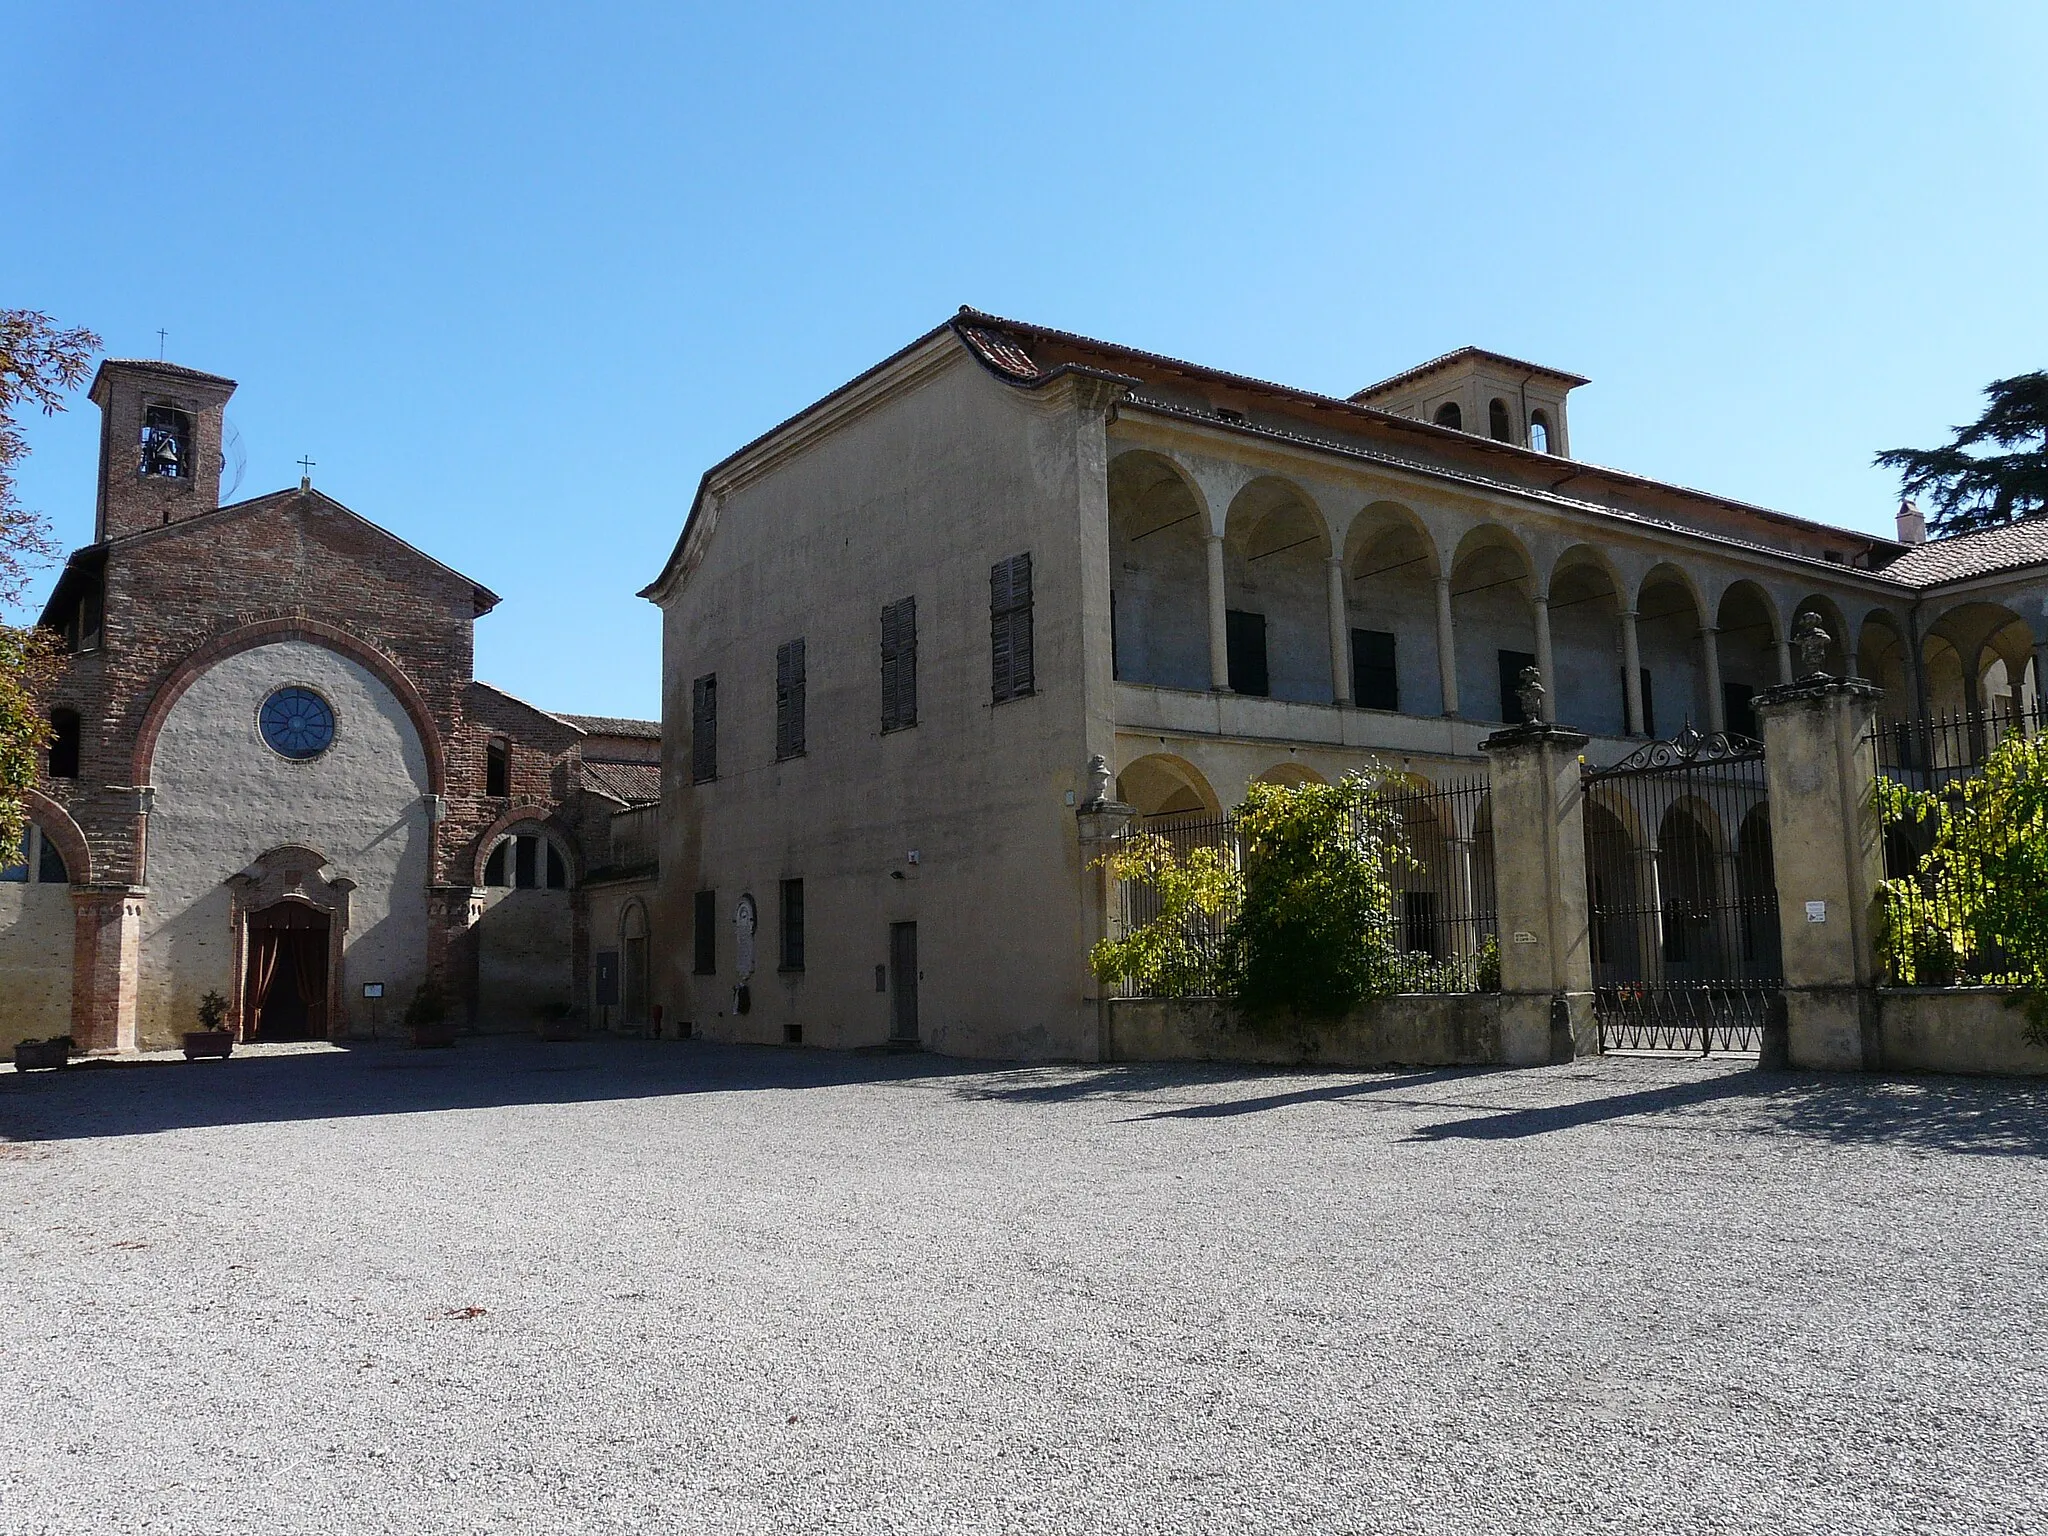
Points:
[163,454]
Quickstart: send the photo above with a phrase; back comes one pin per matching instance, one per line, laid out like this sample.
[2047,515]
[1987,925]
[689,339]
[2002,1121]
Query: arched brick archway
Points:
[60,829]
[538,816]
[274,631]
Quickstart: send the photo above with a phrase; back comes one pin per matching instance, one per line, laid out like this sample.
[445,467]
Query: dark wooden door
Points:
[903,981]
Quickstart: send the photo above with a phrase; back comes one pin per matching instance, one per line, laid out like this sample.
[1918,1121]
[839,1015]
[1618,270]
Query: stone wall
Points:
[1412,1030]
[1955,1029]
[36,927]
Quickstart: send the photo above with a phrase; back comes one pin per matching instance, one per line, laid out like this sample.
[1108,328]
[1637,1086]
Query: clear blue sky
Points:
[515,275]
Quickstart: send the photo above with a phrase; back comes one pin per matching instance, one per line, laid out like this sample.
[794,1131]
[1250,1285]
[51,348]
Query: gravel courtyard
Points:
[658,1286]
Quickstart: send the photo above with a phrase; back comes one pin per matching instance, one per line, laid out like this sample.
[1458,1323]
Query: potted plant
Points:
[211,1038]
[427,1016]
[37,1055]
[557,1021]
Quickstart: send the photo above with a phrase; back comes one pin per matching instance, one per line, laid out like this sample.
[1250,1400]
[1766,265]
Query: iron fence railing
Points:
[1442,925]
[1932,934]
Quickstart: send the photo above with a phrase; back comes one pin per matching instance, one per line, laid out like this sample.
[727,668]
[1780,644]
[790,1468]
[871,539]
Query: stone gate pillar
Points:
[1102,819]
[106,965]
[1827,849]
[1539,875]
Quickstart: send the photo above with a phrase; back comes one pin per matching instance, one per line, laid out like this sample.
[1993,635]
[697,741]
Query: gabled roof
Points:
[1410,375]
[627,783]
[485,599]
[2009,546]
[614,725]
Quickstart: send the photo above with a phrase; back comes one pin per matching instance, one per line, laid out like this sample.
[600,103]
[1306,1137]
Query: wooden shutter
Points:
[789,700]
[899,665]
[1011,664]
[704,728]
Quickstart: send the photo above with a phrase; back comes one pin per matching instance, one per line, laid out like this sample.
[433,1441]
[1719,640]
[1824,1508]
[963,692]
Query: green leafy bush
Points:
[1316,932]
[1976,907]
[1174,952]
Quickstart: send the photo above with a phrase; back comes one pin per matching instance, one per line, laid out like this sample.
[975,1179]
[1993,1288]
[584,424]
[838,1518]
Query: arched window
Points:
[498,768]
[63,743]
[1499,425]
[1539,432]
[35,862]
[526,861]
[166,442]
[1448,415]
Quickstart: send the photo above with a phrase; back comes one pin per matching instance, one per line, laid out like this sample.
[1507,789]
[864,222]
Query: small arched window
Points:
[63,743]
[498,768]
[35,862]
[1448,415]
[1499,425]
[1539,432]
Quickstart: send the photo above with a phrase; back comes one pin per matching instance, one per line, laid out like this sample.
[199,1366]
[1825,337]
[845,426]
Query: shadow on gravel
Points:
[1999,1117]
[137,1098]
[1381,1083]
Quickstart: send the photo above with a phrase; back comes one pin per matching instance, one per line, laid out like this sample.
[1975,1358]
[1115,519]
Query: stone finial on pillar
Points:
[1539,872]
[1827,852]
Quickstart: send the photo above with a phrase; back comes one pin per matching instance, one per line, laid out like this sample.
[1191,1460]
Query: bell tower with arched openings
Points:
[160,444]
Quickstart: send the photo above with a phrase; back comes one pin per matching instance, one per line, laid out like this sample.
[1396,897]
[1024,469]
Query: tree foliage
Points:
[1175,951]
[1976,908]
[1992,471]
[1316,931]
[40,363]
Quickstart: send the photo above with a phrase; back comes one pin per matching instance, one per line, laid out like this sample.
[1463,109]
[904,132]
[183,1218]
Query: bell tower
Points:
[160,444]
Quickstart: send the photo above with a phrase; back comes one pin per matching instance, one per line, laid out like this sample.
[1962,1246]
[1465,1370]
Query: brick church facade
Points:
[275,776]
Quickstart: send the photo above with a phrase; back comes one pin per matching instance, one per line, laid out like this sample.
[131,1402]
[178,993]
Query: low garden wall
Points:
[1414,1029]
[1955,1029]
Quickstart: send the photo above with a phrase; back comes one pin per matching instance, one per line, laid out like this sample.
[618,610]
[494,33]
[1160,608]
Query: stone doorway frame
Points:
[297,875]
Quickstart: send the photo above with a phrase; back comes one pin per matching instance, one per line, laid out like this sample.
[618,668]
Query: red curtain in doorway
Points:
[265,946]
[309,974]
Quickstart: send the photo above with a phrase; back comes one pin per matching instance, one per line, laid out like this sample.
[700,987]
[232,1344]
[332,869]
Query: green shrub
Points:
[429,1004]
[1977,904]
[1174,953]
[1316,932]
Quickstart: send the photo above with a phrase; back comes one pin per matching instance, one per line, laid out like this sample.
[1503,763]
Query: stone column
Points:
[106,965]
[1446,646]
[1539,873]
[1710,660]
[1785,673]
[1340,637]
[1631,673]
[1219,626]
[1102,822]
[1650,895]
[1541,604]
[1459,846]
[1827,847]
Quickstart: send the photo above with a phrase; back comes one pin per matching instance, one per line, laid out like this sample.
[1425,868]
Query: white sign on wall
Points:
[1816,911]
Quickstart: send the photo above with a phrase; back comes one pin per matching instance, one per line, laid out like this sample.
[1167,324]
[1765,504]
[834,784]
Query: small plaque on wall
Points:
[373,989]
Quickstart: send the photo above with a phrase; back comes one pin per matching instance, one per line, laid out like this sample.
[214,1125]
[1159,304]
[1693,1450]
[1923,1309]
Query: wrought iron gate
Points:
[1683,898]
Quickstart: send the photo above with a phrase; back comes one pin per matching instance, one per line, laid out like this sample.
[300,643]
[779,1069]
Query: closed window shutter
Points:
[789,700]
[704,729]
[899,665]
[1011,667]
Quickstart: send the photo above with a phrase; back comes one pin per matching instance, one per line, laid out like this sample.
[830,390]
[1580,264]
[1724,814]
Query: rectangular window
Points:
[789,700]
[498,769]
[1512,665]
[1245,639]
[899,665]
[1739,709]
[1374,683]
[1011,667]
[704,948]
[64,743]
[792,925]
[704,729]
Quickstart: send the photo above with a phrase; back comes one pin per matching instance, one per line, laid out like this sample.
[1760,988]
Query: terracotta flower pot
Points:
[41,1055]
[218,1043]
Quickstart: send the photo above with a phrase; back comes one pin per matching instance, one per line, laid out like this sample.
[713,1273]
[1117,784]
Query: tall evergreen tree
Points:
[40,363]
[1969,487]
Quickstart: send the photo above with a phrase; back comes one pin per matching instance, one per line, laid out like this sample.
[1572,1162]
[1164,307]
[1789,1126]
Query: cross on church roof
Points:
[161,336]
[306,473]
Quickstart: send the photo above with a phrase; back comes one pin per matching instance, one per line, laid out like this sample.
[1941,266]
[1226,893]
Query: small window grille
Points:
[704,729]
[789,700]
[899,665]
[1539,432]
[1009,608]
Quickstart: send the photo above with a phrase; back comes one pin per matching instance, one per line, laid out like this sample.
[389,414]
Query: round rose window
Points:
[297,723]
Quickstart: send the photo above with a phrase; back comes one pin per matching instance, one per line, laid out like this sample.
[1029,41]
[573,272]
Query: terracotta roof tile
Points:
[633,783]
[1973,554]
[614,725]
